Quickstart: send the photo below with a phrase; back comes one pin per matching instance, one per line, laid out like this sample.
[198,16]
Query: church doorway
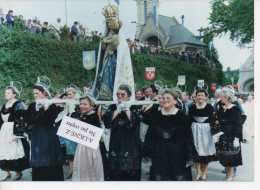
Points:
[154,40]
[248,85]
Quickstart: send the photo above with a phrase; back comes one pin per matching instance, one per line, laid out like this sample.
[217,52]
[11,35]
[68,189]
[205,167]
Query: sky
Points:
[89,13]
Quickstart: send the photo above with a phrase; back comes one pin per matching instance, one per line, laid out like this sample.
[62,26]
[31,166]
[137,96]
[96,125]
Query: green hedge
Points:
[168,69]
[24,56]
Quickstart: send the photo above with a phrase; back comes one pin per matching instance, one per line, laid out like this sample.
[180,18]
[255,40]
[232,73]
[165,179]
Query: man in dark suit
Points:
[147,93]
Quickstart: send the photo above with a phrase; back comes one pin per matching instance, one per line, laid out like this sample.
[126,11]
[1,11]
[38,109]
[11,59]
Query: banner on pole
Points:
[181,79]
[80,132]
[201,83]
[150,73]
[117,2]
[213,86]
[89,59]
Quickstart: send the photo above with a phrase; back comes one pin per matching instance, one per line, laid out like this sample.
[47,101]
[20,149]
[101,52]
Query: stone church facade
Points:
[246,75]
[164,31]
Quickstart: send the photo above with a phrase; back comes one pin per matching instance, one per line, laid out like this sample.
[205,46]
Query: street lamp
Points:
[157,36]
[66,13]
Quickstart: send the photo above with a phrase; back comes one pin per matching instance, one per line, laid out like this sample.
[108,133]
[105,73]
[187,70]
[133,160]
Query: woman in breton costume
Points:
[72,111]
[14,147]
[124,157]
[46,160]
[148,111]
[200,115]
[88,164]
[169,141]
[230,134]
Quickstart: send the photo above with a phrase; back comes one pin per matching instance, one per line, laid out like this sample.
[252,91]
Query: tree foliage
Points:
[235,17]
[229,74]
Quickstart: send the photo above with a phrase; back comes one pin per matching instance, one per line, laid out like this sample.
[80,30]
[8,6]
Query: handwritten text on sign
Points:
[80,132]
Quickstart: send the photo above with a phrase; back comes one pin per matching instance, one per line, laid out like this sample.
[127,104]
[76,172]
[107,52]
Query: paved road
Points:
[244,172]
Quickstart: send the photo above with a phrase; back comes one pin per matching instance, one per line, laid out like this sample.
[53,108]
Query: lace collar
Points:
[173,112]
[10,104]
[228,107]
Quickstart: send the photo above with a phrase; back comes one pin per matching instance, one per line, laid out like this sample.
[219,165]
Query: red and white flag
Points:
[150,73]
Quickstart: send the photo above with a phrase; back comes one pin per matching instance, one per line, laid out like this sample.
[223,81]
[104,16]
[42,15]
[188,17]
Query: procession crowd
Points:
[173,130]
[165,125]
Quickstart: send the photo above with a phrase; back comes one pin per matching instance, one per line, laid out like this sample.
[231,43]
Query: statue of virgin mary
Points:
[114,66]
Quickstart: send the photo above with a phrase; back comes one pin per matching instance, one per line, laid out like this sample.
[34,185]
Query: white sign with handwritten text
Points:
[80,132]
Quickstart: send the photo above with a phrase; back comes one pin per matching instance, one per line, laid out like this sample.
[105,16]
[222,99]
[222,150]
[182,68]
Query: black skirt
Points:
[230,156]
[205,159]
[168,163]
[117,175]
[19,164]
[48,173]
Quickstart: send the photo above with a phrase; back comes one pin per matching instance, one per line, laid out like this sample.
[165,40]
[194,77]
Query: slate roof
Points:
[178,33]
[166,22]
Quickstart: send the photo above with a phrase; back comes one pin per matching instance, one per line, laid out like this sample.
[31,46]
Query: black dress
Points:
[231,126]
[146,152]
[124,159]
[168,141]
[145,146]
[46,160]
[16,116]
[216,120]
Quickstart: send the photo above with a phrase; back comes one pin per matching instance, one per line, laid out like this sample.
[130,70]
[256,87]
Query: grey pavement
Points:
[244,172]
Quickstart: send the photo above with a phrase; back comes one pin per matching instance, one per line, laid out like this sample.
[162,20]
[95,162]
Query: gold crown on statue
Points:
[114,23]
[110,11]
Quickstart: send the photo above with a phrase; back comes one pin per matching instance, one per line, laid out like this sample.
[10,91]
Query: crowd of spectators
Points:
[188,56]
[244,95]
[138,46]
[78,32]
[7,20]
[35,26]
